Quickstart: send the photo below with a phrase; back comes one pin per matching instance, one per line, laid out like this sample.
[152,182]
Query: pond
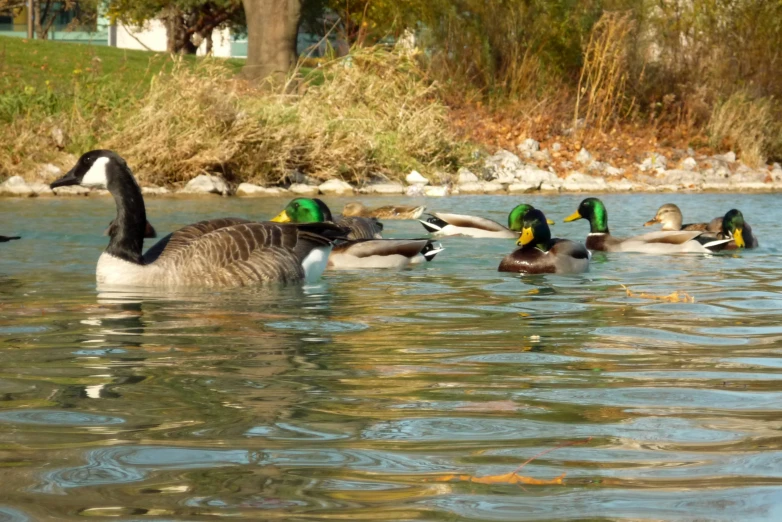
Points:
[394,395]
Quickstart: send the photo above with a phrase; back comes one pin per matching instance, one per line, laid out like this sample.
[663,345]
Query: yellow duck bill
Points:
[526,237]
[282,217]
[738,237]
[572,217]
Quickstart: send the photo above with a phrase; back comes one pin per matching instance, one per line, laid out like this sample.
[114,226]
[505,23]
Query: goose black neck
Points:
[128,238]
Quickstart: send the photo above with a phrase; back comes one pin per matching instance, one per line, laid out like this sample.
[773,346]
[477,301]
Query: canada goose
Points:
[356,209]
[314,210]
[217,253]
[671,218]
[663,242]
[4,239]
[360,253]
[441,224]
[542,254]
[149,230]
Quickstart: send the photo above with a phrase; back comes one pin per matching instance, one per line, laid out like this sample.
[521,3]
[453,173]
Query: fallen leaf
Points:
[507,478]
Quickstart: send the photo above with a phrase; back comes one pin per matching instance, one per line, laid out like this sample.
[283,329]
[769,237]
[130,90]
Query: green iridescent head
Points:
[516,216]
[593,210]
[733,226]
[534,230]
[304,210]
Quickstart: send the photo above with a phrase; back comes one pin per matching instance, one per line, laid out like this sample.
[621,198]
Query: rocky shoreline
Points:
[532,170]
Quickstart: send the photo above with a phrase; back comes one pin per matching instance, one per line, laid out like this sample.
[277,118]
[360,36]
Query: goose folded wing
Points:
[182,238]
[251,252]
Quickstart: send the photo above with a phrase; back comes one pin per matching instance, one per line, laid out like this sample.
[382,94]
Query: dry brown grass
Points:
[370,114]
[744,124]
[600,96]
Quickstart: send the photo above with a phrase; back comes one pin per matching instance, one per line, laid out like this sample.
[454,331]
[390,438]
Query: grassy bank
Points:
[373,115]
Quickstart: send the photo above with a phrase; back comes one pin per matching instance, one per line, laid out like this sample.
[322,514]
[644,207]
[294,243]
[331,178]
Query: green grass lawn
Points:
[32,63]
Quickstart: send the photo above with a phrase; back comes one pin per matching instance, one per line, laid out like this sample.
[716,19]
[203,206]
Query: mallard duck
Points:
[314,210]
[225,252]
[441,224]
[4,239]
[671,218]
[356,209]
[539,253]
[736,231]
[664,242]
[360,253]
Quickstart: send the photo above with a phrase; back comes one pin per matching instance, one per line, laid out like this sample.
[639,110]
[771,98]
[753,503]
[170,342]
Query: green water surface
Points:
[384,395]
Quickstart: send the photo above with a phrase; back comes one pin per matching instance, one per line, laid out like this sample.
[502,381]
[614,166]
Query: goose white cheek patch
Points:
[96,176]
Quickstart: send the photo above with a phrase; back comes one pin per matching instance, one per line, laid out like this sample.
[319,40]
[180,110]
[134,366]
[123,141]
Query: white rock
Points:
[335,187]
[653,161]
[385,188]
[729,157]
[464,176]
[556,147]
[436,191]
[584,157]
[535,176]
[206,184]
[621,185]
[252,190]
[415,178]
[776,174]
[49,171]
[502,166]
[153,190]
[41,189]
[577,182]
[610,170]
[597,166]
[688,163]
[58,137]
[475,187]
[681,178]
[491,187]
[481,187]
[543,156]
[304,190]
[529,145]
[71,190]
[414,190]
[16,186]
[519,188]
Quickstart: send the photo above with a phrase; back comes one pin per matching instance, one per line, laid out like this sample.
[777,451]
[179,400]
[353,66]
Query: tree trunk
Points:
[272,27]
[178,39]
[209,43]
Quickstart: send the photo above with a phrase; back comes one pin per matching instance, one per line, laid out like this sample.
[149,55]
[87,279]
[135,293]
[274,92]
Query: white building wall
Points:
[151,37]
[221,44]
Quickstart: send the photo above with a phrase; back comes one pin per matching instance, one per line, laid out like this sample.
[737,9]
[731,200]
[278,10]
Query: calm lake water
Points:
[386,395]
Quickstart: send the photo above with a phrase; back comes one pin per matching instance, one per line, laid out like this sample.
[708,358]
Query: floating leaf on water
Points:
[507,478]
[675,297]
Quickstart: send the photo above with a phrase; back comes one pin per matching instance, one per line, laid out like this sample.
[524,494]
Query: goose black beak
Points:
[68,179]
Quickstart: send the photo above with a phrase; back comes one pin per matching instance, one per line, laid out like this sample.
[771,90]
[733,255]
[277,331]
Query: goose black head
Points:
[92,170]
